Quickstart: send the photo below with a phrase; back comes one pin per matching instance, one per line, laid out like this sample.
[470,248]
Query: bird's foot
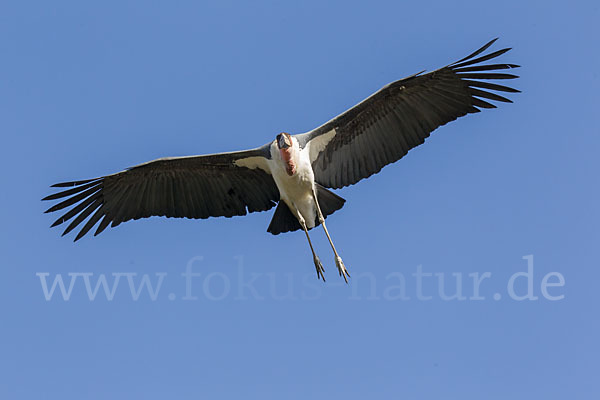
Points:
[342,268]
[319,268]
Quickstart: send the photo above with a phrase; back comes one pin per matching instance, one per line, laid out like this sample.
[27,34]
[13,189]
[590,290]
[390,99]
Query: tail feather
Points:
[285,221]
[328,201]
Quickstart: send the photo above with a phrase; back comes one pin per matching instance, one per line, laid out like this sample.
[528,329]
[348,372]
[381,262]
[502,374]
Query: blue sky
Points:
[88,89]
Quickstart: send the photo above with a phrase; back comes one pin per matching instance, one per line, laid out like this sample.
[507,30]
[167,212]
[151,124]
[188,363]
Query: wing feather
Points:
[384,127]
[183,187]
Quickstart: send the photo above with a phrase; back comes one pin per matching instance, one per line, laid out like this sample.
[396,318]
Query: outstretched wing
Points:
[191,187]
[383,128]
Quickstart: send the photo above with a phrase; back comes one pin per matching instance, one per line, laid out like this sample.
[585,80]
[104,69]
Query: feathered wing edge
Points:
[455,90]
[87,197]
[88,193]
[475,76]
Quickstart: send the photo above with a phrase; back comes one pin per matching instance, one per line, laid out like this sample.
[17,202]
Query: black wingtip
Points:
[69,228]
[52,209]
[476,52]
[63,184]
[488,44]
[57,222]
[73,183]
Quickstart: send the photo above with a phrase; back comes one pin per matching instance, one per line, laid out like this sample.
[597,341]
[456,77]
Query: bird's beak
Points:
[283,141]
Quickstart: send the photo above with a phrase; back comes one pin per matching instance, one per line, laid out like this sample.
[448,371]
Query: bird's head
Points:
[284,140]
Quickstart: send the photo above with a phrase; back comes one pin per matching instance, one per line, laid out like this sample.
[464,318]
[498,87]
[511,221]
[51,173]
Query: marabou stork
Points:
[293,171]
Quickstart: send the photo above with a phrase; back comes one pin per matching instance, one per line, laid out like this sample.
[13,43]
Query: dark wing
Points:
[384,127]
[192,187]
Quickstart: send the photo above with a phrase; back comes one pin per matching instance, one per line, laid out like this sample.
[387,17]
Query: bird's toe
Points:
[319,268]
[342,268]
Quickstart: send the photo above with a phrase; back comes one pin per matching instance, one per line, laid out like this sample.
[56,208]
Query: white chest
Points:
[296,190]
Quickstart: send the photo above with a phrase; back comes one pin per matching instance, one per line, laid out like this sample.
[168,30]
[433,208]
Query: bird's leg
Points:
[316,259]
[338,260]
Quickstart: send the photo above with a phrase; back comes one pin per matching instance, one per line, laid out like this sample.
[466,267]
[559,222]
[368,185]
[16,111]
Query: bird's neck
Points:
[287,155]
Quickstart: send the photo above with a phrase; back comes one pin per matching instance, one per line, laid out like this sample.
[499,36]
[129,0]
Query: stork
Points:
[293,172]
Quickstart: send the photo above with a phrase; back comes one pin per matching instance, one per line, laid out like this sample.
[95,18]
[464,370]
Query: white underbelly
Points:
[296,190]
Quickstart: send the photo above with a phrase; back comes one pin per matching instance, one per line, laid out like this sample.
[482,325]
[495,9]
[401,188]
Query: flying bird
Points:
[293,172]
